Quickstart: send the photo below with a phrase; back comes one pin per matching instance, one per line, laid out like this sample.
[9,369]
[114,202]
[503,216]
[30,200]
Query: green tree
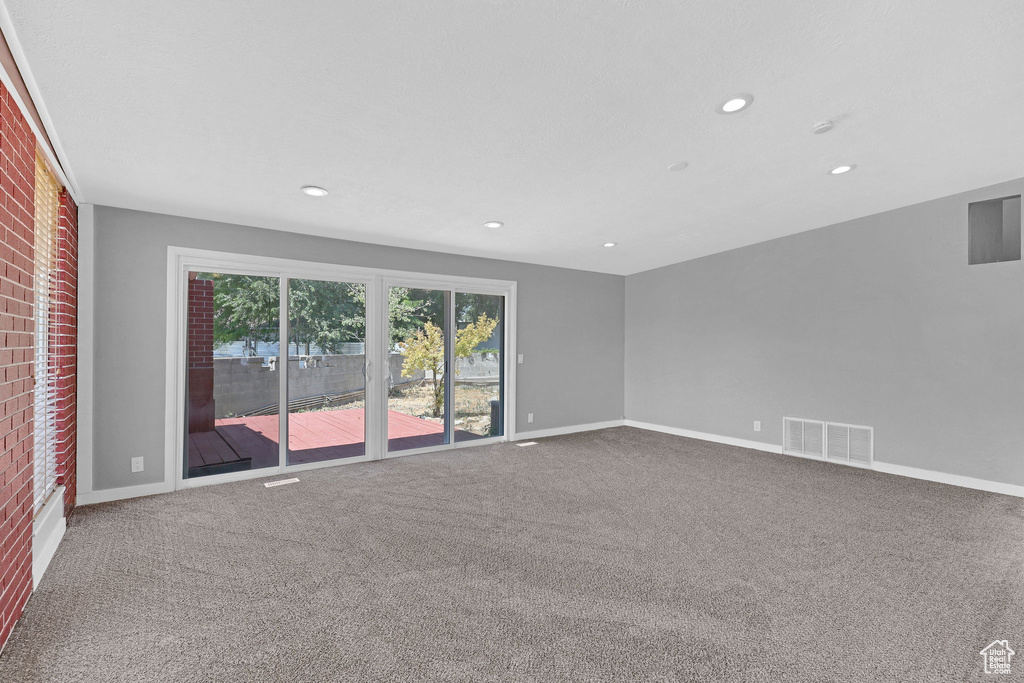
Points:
[322,314]
[425,351]
[403,313]
[468,307]
[245,308]
[326,314]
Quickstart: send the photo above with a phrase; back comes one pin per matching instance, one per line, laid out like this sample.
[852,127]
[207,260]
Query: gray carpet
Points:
[614,555]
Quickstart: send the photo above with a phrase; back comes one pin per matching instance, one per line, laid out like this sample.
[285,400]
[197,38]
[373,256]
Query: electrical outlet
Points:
[137,464]
[520,358]
[757,425]
[529,417]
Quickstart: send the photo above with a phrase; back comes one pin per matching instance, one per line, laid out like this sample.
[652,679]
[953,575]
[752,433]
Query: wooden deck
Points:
[251,442]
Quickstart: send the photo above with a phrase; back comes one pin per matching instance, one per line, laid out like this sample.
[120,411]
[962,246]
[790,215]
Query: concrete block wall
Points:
[325,375]
[241,385]
[478,366]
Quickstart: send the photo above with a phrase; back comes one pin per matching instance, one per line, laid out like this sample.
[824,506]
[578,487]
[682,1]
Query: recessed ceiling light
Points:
[609,244]
[314,191]
[845,168]
[679,166]
[736,103]
[493,224]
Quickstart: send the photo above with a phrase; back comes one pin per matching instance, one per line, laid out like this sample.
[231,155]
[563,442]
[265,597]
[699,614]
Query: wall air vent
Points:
[803,437]
[833,441]
[851,444]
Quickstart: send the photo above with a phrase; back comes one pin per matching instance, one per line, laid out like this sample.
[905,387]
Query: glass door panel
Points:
[478,399]
[232,382]
[416,382]
[326,370]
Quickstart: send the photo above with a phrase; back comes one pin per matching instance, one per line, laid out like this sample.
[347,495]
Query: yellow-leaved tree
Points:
[425,351]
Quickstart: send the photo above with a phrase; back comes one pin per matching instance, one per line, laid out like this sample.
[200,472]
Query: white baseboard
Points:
[47,531]
[952,479]
[558,431]
[888,468]
[704,436]
[107,495]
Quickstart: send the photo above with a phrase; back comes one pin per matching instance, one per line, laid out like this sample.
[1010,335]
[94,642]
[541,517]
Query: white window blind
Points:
[47,203]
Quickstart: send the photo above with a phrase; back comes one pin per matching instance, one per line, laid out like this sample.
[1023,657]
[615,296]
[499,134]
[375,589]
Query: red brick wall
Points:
[17,185]
[17,225]
[64,349]
[200,356]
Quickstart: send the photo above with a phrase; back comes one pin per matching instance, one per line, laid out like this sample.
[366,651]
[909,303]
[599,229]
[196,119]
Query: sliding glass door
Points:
[232,378]
[430,333]
[417,355]
[284,366]
[479,367]
[326,370]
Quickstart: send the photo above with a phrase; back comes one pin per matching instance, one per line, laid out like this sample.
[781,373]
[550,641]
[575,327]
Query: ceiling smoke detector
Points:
[823,127]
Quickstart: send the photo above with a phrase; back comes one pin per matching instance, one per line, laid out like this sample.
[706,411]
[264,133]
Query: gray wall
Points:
[561,313]
[877,321]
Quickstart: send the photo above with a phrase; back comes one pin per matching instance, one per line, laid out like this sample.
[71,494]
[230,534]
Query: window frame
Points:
[45,392]
[182,260]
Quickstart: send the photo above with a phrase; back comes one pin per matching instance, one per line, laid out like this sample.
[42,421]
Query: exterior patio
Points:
[243,443]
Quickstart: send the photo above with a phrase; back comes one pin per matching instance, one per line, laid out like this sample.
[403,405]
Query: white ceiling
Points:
[560,118]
